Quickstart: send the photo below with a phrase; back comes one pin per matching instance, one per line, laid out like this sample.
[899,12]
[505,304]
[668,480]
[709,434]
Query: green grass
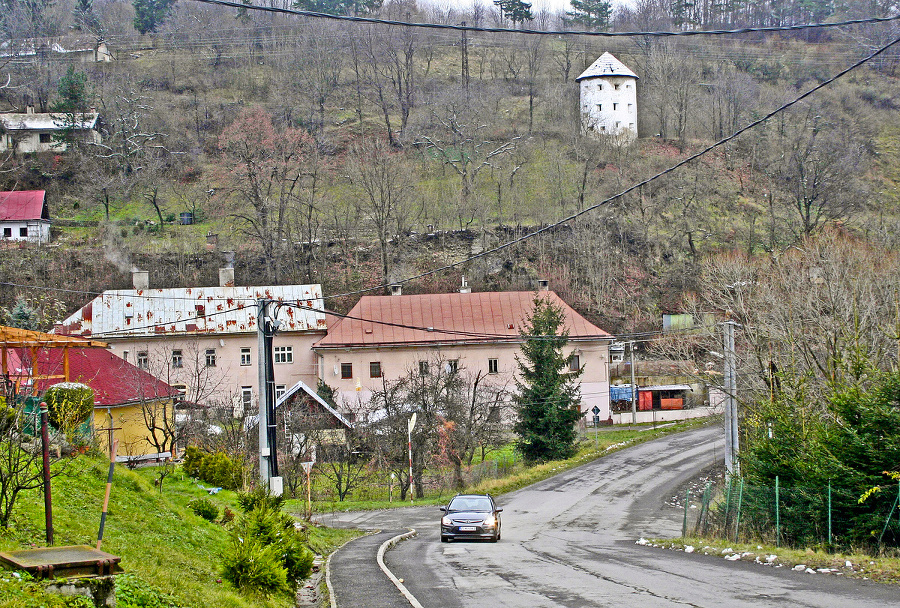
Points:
[163,545]
[881,569]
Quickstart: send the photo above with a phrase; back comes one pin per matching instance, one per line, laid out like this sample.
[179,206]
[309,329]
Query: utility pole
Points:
[633,387]
[268,455]
[731,416]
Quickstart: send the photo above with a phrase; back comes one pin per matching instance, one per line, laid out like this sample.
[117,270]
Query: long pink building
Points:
[386,337]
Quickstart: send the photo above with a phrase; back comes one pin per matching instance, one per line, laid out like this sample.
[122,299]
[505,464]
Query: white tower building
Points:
[609,99]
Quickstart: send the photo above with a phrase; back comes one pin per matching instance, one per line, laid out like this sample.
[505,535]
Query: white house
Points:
[34,132]
[24,216]
[203,340]
[609,99]
[82,49]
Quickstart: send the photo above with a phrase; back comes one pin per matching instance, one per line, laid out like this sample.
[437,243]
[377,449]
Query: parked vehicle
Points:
[474,516]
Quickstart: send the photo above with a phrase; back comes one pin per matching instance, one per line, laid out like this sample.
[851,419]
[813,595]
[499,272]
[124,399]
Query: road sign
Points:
[307,467]
[595,410]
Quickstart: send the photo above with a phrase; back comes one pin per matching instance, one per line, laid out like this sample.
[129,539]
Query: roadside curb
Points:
[388,544]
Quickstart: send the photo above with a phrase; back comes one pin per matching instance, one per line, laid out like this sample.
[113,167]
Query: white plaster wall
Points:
[38,232]
[609,106]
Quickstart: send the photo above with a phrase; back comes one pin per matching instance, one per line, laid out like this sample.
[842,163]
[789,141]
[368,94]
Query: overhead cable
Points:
[506,30]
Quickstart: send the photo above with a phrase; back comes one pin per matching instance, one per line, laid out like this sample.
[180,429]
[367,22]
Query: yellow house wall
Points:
[131,431]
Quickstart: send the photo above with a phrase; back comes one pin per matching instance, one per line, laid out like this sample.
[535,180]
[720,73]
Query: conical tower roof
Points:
[606,65]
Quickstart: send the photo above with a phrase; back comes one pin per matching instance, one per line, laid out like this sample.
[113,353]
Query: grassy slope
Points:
[160,540]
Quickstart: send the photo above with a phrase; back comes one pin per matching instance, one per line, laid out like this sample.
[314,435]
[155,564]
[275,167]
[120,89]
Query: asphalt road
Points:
[569,541]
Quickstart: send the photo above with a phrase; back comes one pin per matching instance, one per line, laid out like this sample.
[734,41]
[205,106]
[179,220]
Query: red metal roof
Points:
[453,317]
[24,205]
[114,380]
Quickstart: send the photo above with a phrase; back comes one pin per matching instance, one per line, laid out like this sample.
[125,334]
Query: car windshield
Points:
[471,503]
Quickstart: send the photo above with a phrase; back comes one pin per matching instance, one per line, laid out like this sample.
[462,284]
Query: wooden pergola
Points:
[32,341]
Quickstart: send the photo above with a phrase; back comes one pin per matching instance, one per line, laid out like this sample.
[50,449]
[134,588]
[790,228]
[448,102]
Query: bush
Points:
[275,528]
[259,498]
[205,508]
[68,404]
[216,469]
[132,592]
[253,566]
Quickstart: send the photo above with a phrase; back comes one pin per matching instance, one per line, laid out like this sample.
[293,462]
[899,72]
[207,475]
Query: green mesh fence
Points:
[795,515]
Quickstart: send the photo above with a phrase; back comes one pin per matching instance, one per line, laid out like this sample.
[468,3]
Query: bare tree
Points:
[463,146]
[384,184]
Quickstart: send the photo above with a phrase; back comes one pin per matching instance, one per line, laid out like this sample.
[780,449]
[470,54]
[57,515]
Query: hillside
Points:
[352,155]
[170,556]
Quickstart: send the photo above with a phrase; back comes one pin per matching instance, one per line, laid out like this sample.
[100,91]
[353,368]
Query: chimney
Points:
[226,277]
[465,287]
[29,109]
[543,285]
[396,290]
[140,279]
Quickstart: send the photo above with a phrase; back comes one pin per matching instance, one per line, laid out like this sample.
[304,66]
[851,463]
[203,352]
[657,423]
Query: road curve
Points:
[569,541]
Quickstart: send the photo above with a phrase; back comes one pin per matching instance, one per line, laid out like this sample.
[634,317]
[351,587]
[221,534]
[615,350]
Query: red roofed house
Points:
[379,340]
[124,395]
[24,216]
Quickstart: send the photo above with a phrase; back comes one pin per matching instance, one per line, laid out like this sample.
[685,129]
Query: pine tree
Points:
[150,14]
[548,396]
[591,13]
[516,11]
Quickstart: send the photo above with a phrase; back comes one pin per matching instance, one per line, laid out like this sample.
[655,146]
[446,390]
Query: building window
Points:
[493,366]
[45,138]
[631,125]
[182,390]
[280,390]
[143,361]
[599,86]
[284,354]
[7,233]
[616,86]
[346,370]
[618,124]
[201,310]
[574,363]
[247,396]
[423,368]
[615,107]
[452,366]
[23,232]
[124,355]
[177,358]
[599,107]
[630,109]
[627,86]
[375,369]
[210,357]
[245,356]
[603,127]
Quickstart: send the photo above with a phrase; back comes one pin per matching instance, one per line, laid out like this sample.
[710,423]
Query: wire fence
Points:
[832,516]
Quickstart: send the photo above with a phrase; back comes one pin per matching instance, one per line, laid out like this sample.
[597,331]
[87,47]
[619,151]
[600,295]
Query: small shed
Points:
[25,216]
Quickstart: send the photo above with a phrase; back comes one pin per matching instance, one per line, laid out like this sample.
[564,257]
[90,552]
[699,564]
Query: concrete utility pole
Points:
[731,415]
[633,387]
[268,455]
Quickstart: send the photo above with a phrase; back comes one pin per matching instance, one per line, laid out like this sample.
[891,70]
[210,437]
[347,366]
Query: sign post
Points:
[409,430]
[307,468]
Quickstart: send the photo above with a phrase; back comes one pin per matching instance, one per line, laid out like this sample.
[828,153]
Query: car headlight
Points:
[445,521]
[490,521]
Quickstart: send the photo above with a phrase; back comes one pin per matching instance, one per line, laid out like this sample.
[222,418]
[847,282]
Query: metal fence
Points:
[831,516]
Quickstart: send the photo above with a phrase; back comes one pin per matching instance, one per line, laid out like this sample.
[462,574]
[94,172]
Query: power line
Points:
[504,30]
[632,188]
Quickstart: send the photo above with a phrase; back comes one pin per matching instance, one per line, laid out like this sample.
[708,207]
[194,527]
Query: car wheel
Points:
[496,537]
